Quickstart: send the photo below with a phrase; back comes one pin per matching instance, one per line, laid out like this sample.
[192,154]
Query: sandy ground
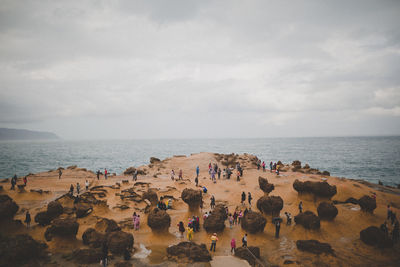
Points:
[342,233]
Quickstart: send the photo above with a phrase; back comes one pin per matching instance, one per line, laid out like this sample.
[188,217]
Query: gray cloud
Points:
[200,68]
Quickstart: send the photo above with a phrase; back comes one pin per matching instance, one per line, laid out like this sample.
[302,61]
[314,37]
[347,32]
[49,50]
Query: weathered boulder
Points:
[190,250]
[308,220]
[119,241]
[82,209]
[93,238]
[215,222]
[154,160]
[270,205]
[105,225]
[320,189]
[43,218]
[54,209]
[8,207]
[67,227]
[244,253]
[151,195]
[373,236]
[314,246]
[192,197]
[367,203]
[327,211]
[158,220]
[264,185]
[20,249]
[87,256]
[253,222]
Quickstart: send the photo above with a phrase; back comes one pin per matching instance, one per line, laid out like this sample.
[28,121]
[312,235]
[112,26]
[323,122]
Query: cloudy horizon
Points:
[200,69]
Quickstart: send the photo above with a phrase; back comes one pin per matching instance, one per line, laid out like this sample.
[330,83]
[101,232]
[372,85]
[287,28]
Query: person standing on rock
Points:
[137,222]
[135,174]
[233,245]
[78,188]
[59,173]
[28,219]
[180,174]
[277,228]
[258,164]
[172,175]
[105,174]
[249,198]
[238,176]
[13,182]
[71,190]
[212,203]
[25,180]
[98,174]
[288,218]
[214,240]
[87,185]
[243,198]
[301,206]
[197,171]
[244,241]
[270,166]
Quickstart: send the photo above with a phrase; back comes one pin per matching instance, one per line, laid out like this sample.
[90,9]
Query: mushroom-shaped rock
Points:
[264,185]
[190,250]
[82,209]
[151,195]
[327,211]
[192,197]
[93,238]
[19,249]
[367,203]
[373,236]
[119,241]
[253,222]
[215,222]
[87,256]
[43,218]
[54,209]
[67,227]
[158,220]
[308,220]
[319,189]
[270,205]
[8,207]
[314,246]
[105,225]
[247,254]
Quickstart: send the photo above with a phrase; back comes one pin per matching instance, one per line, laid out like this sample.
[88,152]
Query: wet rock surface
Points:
[189,250]
[253,222]
[308,220]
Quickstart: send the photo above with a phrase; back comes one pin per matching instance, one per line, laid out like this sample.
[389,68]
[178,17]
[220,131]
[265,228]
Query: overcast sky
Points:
[200,69]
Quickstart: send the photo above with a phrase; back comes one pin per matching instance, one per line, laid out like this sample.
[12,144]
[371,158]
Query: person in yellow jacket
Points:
[189,233]
[214,240]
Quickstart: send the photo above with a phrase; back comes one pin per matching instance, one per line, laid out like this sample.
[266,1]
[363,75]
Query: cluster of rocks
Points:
[215,222]
[227,160]
[296,167]
[265,186]
[67,228]
[270,205]
[54,209]
[189,250]
[192,197]
[366,203]
[131,170]
[253,222]
[319,189]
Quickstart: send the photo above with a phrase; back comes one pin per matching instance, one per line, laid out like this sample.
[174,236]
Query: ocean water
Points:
[367,158]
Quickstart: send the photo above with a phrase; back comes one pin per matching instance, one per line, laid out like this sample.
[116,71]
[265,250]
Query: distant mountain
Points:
[20,134]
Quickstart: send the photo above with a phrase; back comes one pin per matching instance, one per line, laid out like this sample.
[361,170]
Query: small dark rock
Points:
[314,247]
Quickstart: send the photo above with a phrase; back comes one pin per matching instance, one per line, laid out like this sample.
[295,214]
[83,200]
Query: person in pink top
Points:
[233,245]
[105,173]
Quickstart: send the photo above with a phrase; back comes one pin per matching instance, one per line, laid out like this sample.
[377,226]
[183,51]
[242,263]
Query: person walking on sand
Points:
[87,185]
[249,198]
[263,166]
[301,206]
[230,220]
[235,216]
[240,216]
[213,176]
[212,202]
[233,245]
[270,166]
[197,171]
[59,173]
[28,219]
[105,174]
[181,228]
[189,233]
[219,173]
[243,198]
[244,241]
[214,240]
[180,174]
[277,228]
[288,218]
[25,180]
[13,182]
